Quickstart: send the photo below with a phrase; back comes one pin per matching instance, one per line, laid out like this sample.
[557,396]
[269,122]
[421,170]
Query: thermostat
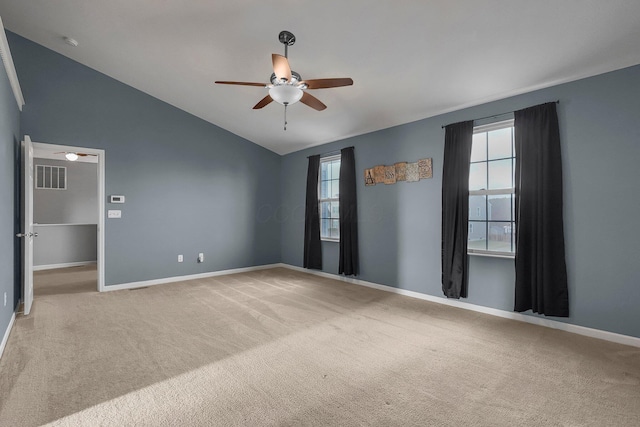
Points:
[116,199]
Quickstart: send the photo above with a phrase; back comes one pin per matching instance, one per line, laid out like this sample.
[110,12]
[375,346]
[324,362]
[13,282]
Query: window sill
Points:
[492,255]
[326,239]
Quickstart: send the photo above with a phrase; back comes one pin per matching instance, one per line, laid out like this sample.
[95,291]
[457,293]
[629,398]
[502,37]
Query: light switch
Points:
[114,214]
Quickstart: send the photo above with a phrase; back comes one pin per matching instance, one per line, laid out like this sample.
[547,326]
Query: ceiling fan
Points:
[287,86]
[72,156]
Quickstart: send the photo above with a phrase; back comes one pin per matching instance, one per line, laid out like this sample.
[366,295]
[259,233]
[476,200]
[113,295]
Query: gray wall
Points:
[9,143]
[78,204]
[400,224]
[190,186]
[57,245]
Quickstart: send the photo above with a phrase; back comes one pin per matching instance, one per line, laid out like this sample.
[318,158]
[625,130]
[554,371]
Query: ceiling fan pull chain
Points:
[285,116]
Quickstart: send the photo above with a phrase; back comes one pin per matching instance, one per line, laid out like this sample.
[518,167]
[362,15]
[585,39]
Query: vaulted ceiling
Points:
[409,59]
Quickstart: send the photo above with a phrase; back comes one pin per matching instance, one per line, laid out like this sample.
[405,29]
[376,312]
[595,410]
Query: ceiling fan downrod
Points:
[287,39]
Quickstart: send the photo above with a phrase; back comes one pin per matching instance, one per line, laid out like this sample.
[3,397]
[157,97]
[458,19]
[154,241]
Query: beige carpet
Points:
[282,348]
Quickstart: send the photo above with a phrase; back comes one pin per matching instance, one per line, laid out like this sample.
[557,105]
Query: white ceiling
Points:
[409,59]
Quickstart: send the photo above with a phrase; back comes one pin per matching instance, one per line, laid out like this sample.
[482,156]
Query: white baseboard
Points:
[568,327]
[144,284]
[5,338]
[64,265]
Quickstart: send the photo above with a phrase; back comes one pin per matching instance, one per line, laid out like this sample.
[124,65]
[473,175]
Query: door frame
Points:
[26,217]
[101,198]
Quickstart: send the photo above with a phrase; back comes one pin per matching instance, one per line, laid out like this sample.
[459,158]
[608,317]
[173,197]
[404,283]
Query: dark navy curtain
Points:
[455,208]
[312,247]
[348,214]
[541,273]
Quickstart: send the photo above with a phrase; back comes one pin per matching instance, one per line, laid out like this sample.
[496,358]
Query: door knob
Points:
[27,234]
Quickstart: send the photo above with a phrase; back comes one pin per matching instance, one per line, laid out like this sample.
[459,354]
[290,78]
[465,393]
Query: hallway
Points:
[70,280]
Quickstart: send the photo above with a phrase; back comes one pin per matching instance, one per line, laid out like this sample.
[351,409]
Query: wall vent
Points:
[51,177]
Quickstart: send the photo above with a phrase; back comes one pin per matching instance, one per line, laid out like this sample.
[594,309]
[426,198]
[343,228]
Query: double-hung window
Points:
[492,190]
[329,198]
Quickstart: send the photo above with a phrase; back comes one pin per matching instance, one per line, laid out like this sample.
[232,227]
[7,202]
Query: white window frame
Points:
[327,159]
[503,191]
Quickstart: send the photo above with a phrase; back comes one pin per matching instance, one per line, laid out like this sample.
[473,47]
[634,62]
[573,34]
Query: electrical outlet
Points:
[180,258]
[200,257]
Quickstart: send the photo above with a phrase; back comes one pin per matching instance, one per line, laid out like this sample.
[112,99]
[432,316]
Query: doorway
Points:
[68,218]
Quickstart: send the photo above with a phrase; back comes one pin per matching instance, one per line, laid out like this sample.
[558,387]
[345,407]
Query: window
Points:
[51,177]
[492,190]
[329,198]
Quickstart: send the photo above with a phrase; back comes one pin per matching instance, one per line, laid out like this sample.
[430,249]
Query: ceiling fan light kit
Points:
[72,157]
[285,94]
[287,86]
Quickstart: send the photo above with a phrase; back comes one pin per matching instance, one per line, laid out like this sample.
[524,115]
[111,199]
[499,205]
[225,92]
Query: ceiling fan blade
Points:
[263,102]
[281,67]
[74,152]
[241,83]
[312,102]
[327,83]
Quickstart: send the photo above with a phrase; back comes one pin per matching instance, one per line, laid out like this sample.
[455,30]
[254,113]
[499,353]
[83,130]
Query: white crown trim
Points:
[9,66]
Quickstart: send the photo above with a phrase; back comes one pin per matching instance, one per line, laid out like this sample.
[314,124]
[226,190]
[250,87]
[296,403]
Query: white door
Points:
[27,224]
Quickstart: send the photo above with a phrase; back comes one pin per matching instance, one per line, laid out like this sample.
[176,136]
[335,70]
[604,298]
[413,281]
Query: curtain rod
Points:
[495,115]
[331,153]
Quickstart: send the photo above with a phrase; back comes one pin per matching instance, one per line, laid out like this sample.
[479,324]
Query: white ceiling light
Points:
[285,94]
[72,157]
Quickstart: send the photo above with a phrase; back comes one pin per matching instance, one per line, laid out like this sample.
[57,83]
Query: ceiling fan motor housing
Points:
[295,79]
